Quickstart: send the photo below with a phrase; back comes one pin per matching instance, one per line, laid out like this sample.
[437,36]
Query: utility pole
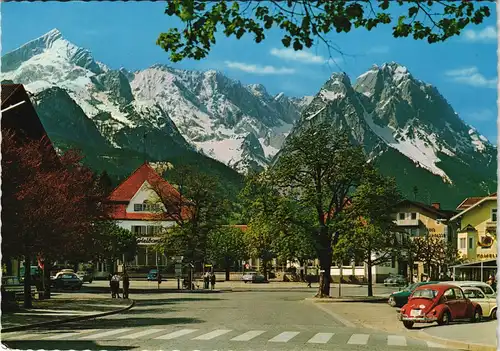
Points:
[144,146]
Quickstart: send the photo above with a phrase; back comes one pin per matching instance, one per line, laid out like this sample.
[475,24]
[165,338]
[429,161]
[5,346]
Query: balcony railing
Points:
[407,222]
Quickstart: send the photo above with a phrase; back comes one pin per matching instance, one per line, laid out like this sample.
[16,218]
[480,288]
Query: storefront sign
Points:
[489,255]
[148,240]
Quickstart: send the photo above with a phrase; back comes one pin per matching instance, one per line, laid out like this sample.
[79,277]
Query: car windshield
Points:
[67,276]
[425,293]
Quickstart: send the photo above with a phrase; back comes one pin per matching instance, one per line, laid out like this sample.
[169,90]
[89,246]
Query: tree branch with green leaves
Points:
[305,23]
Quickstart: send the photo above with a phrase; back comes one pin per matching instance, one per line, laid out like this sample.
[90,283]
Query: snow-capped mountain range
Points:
[241,126]
[405,125]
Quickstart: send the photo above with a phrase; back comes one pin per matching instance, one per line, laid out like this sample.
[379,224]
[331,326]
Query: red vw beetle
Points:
[439,303]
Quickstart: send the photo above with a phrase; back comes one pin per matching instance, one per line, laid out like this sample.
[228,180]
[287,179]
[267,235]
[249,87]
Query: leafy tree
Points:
[112,242]
[370,233]
[433,251]
[318,169]
[260,239]
[305,22]
[196,205]
[49,203]
[226,245]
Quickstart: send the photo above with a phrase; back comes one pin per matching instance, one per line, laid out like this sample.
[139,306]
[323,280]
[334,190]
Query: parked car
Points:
[67,281]
[253,277]
[153,275]
[488,304]
[486,289]
[439,303]
[400,298]
[395,280]
[84,276]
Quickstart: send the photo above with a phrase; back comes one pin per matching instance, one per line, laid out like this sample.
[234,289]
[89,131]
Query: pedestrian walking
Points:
[126,285]
[212,280]
[115,286]
[206,280]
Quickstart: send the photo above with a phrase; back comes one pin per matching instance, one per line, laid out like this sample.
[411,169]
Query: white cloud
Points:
[300,56]
[378,50]
[471,76]
[258,69]
[488,34]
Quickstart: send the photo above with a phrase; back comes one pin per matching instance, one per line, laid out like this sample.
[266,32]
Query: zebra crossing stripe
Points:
[248,335]
[60,336]
[396,340]
[358,339]
[321,338]
[176,334]
[105,334]
[284,337]
[435,345]
[212,334]
[139,334]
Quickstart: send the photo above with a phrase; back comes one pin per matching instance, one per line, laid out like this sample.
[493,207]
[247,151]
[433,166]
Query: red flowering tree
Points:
[50,204]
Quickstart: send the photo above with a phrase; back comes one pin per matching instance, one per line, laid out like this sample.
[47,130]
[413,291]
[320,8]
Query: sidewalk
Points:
[60,307]
[478,336]
[380,316]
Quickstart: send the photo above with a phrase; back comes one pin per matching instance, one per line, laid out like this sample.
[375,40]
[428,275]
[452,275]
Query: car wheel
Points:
[246,281]
[494,313]
[445,318]
[408,324]
[392,302]
[477,316]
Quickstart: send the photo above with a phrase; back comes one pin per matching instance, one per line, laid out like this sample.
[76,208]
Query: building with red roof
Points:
[137,204]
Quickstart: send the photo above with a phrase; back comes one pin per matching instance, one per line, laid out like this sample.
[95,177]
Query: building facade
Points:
[418,219]
[476,239]
[136,206]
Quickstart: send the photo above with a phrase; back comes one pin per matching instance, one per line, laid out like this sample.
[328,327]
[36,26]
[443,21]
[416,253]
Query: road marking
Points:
[23,336]
[60,336]
[248,335]
[176,334]
[213,334]
[139,334]
[284,337]
[321,338]
[396,340]
[104,334]
[435,345]
[358,339]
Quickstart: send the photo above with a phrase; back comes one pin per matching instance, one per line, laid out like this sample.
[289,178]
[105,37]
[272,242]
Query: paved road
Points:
[238,321]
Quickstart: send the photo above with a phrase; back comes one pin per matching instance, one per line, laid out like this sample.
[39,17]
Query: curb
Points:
[347,299]
[66,320]
[456,344]
[158,291]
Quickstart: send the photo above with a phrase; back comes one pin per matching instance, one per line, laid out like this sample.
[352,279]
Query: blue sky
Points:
[123,34]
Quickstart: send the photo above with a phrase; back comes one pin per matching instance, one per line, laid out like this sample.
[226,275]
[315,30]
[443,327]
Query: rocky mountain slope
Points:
[240,126]
[410,131]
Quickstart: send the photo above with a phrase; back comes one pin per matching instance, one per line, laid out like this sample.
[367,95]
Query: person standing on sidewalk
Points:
[126,285]
[115,285]
[212,280]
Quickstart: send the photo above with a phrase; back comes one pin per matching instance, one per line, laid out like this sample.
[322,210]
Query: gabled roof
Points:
[440,213]
[129,187]
[471,201]
[492,197]
[123,193]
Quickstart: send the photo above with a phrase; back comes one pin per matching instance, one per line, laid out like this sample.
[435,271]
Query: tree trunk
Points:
[370,277]
[227,266]
[325,263]
[28,303]
[264,264]
[47,267]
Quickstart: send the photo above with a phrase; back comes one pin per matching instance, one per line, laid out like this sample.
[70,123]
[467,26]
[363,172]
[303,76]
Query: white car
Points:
[485,288]
[488,304]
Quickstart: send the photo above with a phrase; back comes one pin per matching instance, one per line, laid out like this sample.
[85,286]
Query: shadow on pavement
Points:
[61,345]
[130,322]
[153,302]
